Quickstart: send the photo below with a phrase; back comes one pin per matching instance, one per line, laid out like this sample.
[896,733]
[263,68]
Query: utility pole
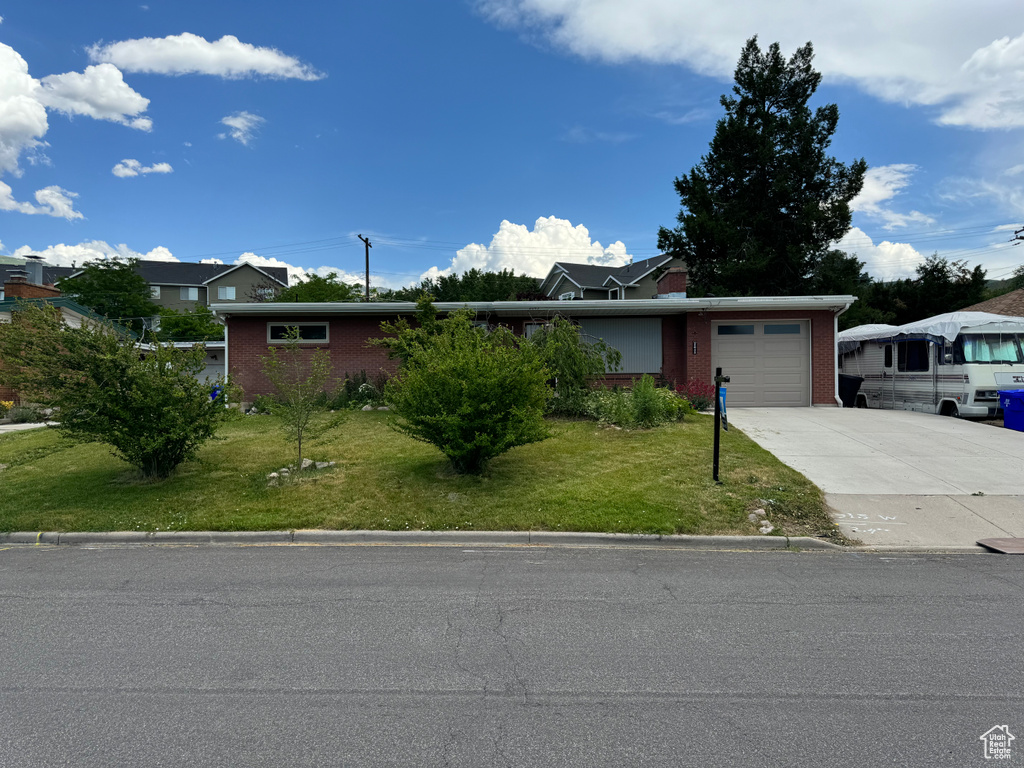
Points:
[368,247]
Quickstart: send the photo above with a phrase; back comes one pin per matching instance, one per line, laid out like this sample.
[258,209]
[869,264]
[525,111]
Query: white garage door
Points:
[768,362]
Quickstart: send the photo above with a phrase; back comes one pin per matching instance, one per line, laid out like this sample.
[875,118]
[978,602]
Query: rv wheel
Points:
[950,409]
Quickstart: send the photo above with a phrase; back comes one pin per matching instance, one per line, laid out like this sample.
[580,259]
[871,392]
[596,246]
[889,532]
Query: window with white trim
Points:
[189,294]
[278,333]
[154,291]
[568,296]
[226,292]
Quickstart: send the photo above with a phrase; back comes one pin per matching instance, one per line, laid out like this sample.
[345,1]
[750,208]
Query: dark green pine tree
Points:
[763,207]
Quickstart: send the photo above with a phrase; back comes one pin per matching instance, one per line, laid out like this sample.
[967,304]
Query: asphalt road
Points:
[446,656]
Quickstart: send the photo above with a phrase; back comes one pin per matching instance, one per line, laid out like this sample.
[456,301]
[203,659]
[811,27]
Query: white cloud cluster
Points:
[129,167]
[99,92]
[186,53]
[53,201]
[952,56]
[532,252]
[243,126]
[62,255]
[22,115]
[881,186]
[884,261]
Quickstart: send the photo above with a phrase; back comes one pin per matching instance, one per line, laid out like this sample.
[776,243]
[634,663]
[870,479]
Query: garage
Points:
[768,362]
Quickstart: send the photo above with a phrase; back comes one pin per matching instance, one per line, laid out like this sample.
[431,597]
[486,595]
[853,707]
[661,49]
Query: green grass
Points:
[584,478]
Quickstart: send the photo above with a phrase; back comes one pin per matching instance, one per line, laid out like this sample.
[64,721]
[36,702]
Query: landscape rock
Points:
[766,528]
[383,408]
[3,467]
[307,463]
[324,464]
[367,407]
[759,513]
[273,476]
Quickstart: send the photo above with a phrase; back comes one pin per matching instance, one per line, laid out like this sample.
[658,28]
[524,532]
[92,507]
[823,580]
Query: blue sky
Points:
[490,133]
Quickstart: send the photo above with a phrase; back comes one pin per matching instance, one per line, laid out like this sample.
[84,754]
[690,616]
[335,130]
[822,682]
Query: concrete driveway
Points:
[901,479]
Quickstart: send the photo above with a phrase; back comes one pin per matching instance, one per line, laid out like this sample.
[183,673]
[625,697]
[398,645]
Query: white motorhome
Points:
[952,364]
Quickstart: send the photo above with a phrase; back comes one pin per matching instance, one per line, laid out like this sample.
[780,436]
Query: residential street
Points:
[521,656]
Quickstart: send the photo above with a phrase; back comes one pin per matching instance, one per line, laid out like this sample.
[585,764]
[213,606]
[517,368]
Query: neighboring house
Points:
[185,285]
[1011,303]
[639,280]
[778,350]
[17,296]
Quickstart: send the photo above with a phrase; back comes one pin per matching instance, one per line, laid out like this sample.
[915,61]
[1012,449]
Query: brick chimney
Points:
[673,281]
[27,282]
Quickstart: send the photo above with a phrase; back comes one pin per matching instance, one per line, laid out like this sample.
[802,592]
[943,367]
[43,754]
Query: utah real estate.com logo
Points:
[997,742]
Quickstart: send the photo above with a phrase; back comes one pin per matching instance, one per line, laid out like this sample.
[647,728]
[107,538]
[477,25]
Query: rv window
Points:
[912,355]
[992,348]
[888,355]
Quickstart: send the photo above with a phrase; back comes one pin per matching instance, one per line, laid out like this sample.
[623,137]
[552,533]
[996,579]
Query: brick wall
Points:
[247,343]
[19,289]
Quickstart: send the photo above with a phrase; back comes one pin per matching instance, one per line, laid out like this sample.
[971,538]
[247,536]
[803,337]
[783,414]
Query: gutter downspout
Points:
[835,353]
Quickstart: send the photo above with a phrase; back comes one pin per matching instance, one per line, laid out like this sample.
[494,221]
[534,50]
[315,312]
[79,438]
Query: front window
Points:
[154,291]
[994,348]
[226,292]
[568,296]
[189,294]
[281,332]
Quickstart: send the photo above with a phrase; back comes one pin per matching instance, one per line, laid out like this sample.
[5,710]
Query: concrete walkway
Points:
[901,479]
[8,427]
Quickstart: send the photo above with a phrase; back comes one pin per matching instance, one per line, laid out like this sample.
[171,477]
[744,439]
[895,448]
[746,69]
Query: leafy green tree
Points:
[762,207]
[406,338]
[316,288]
[1017,281]
[472,393]
[841,273]
[189,325]
[299,380]
[112,288]
[574,362]
[473,285]
[146,404]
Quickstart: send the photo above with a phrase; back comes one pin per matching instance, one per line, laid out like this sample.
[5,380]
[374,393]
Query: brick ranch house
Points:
[778,350]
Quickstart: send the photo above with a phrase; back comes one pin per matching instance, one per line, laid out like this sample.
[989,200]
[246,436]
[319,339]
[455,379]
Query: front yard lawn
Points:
[584,478]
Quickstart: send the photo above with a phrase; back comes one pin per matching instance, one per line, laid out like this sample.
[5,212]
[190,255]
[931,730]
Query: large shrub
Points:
[574,362]
[472,393]
[145,403]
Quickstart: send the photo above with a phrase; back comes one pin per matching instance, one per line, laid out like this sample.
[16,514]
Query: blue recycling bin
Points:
[1012,403]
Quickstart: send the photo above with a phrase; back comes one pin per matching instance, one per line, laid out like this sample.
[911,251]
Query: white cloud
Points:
[532,252]
[242,125]
[99,92]
[881,186]
[22,116]
[62,255]
[580,135]
[953,56]
[53,201]
[191,54]
[129,167]
[885,261]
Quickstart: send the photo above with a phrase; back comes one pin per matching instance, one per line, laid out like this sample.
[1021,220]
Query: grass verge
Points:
[584,478]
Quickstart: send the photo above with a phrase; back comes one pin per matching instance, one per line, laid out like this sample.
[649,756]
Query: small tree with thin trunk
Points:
[299,381]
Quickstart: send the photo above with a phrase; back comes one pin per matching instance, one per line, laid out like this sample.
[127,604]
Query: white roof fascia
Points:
[593,307]
[239,266]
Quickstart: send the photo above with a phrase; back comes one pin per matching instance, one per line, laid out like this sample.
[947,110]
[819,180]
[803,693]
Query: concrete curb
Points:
[449,538]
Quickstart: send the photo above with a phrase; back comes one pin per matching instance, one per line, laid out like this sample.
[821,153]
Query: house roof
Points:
[50,274]
[597,276]
[10,305]
[596,308]
[191,273]
[1011,303]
